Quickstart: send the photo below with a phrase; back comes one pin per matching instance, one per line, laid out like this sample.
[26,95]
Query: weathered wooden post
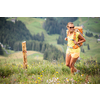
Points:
[24,54]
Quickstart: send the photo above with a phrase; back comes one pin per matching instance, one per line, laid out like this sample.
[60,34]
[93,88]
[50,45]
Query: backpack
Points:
[77,29]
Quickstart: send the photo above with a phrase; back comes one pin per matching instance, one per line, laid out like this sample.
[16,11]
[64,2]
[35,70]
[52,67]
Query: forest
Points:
[12,35]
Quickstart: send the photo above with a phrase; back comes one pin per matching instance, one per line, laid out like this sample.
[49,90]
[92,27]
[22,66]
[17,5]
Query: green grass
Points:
[94,48]
[33,24]
[89,24]
[45,72]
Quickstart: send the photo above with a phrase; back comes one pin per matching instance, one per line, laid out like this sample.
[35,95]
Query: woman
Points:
[72,54]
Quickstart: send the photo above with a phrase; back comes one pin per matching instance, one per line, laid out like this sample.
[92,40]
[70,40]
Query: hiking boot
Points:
[77,72]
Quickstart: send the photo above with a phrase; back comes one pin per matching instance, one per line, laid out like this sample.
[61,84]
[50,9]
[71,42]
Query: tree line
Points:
[11,32]
[38,37]
[55,25]
[50,52]
[61,38]
[89,34]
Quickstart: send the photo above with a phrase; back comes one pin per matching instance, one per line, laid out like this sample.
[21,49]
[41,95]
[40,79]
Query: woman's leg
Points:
[72,62]
[68,58]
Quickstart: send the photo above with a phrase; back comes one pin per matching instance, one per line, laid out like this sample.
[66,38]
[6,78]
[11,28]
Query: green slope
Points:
[90,24]
[35,25]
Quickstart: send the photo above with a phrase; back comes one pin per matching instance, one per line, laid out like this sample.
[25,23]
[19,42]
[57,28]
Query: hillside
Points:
[90,24]
[35,25]
[18,57]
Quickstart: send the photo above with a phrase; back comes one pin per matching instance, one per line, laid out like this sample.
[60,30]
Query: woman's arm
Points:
[81,39]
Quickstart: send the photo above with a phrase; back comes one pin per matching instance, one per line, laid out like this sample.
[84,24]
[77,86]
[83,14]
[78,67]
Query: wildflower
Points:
[15,80]
[82,75]
[41,75]
[57,72]
[3,76]
[39,78]
[57,79]
[42,71]
[67,80]
[47,81]
[42,80]
[32,76]
[57,83]
[71,79]
[36,82]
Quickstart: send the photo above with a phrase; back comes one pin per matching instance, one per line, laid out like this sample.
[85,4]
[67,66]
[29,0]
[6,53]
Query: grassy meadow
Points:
[41,71]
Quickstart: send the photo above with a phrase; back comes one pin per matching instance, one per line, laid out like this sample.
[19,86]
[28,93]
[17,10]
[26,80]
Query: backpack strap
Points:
[74,38]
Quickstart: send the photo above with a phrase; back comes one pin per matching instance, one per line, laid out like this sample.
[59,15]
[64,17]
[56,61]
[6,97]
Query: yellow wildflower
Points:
[39,78]
[82,75]
[67,80]
[36,82]
[57,72]
[41,75]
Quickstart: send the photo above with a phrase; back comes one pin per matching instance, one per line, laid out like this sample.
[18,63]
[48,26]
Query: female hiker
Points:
[72,53]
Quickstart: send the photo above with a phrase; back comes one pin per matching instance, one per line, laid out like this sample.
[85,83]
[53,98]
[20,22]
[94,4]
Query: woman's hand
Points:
[66,39]
[75,42]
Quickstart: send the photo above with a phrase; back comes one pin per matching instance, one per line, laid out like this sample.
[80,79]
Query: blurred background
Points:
[44,37]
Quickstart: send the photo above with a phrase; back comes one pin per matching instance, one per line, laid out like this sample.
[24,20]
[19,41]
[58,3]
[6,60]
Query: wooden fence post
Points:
[24,54]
